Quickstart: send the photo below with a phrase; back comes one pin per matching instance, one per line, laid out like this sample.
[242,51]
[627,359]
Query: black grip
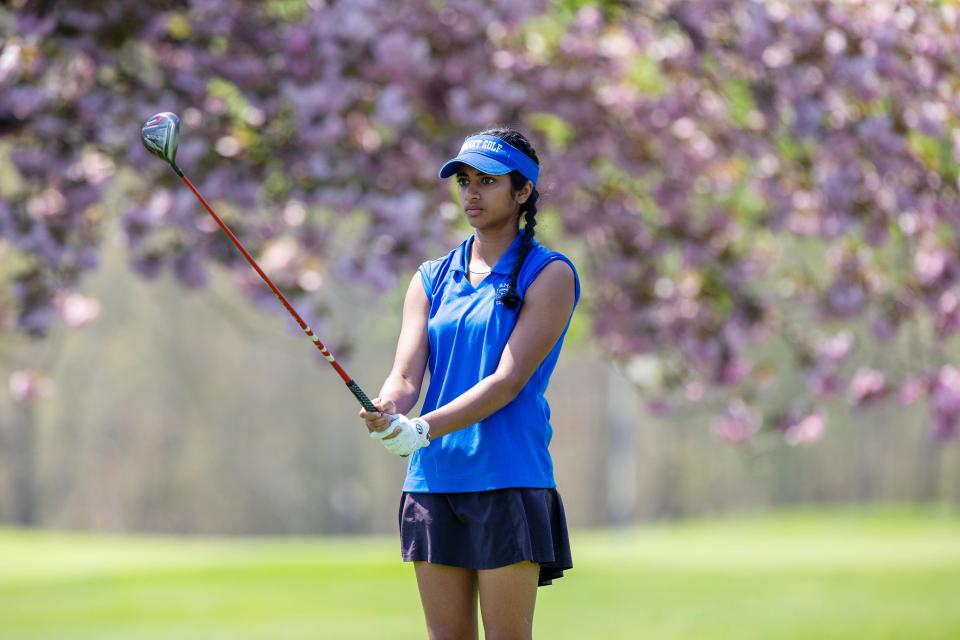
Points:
[361,396]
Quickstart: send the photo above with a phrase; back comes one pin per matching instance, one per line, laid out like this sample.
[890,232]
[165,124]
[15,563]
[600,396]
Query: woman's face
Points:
[489,201]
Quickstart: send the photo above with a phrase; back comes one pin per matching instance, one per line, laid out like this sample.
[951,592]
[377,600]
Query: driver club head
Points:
[160,135]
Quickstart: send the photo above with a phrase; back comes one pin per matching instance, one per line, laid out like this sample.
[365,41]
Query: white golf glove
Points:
[412,434]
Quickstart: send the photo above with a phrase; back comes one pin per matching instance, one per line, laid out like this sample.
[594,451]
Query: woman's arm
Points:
[546,309]
[402,386]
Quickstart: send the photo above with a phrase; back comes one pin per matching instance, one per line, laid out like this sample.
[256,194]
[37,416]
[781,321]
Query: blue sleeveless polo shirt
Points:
[467,331]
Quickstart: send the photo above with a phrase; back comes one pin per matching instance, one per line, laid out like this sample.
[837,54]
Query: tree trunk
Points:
[24,456]
[621,449]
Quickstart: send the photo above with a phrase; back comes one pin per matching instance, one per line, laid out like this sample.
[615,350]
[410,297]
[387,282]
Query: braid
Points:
[511,297]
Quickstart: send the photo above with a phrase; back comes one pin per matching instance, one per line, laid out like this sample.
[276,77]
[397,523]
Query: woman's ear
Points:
[524,194]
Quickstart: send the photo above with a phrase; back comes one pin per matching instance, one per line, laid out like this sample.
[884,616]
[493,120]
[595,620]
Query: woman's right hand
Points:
[379,421]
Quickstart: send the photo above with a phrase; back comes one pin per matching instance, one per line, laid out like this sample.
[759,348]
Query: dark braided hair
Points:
[511,297]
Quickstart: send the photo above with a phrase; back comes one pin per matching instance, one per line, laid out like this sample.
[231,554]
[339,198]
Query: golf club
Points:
[160,135]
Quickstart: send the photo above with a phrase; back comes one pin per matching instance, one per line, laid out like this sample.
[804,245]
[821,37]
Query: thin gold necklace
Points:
[478,273]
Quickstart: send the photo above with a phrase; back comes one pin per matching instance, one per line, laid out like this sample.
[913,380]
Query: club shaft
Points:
[353,386]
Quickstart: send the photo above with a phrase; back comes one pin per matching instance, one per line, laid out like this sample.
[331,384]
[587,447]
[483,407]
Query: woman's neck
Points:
[488,246]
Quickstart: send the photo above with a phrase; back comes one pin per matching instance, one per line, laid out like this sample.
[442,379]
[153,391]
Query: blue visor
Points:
[491,155]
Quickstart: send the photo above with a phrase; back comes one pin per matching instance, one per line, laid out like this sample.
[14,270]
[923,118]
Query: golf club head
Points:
[160,135]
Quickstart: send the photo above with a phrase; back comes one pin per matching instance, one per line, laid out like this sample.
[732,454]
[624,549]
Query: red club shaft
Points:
[293,312]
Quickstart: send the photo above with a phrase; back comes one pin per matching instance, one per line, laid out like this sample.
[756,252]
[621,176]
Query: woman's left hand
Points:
[404,435]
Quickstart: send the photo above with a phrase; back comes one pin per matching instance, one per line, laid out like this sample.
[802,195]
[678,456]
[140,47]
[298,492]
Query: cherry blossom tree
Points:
[743,175]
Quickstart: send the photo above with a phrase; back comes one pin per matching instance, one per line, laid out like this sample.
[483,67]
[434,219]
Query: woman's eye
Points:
[462,182]
[487,180]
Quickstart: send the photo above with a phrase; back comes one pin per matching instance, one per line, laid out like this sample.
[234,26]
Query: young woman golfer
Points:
[480,513]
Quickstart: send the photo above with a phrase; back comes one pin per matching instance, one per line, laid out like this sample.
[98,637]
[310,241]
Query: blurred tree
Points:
[739,172]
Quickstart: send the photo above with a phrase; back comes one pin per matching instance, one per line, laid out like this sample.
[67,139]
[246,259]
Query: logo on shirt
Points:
[502,290]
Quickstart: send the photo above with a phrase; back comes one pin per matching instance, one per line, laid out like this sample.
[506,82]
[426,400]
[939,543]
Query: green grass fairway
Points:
[864,574]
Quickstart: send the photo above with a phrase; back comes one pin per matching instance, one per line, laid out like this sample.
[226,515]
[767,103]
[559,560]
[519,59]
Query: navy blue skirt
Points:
[487,529]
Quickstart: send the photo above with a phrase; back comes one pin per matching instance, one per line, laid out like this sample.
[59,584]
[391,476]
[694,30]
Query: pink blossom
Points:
[805,431]
[930,262]
[78,310]
[911,390]
[738,422]
[867,385]
[28,386]
[945,391]
[947,319]
[837,347]
[732,372]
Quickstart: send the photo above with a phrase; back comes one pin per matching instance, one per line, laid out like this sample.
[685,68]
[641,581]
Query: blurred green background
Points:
[798,574]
